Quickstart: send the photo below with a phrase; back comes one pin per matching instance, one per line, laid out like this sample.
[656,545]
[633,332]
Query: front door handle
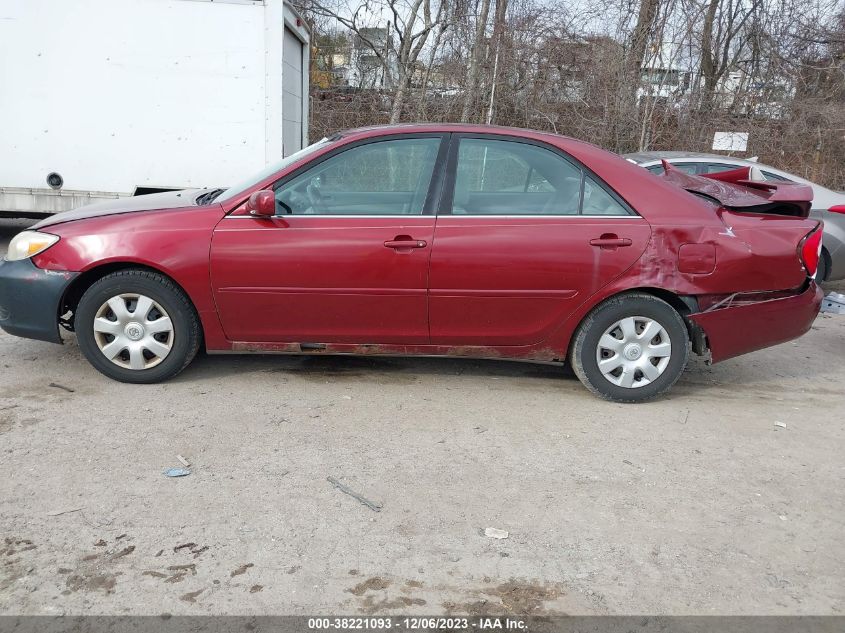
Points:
[610,241]
[402,242]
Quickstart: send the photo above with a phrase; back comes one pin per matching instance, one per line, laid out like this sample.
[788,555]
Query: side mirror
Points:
[262,204]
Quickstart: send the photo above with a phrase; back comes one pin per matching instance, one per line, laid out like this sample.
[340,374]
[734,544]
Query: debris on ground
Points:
[241,570]
[177,472]
[183,461]
[834,303]
[496,533]
[780,425]
[56,513]
[192,596]
[56,385]
[124,552]
[184,546]
[375,507]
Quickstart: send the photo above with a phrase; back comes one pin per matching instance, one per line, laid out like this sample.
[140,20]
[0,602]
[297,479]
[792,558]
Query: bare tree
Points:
[411,22]
[471,88]
[624,74]
[721,47]
[496,42]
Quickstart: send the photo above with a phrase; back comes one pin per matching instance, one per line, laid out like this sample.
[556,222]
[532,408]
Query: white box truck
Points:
[108,98]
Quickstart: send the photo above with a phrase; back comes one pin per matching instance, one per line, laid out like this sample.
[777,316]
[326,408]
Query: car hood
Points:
[133,204]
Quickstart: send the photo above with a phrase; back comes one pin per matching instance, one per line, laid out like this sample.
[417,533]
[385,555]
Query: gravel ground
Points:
[726,497]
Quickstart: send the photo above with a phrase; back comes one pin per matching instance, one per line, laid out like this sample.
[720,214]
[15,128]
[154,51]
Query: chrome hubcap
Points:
[133,331]
[633,352]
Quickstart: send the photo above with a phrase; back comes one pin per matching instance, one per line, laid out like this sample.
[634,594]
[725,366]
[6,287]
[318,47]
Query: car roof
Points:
[410,128]
[644,157]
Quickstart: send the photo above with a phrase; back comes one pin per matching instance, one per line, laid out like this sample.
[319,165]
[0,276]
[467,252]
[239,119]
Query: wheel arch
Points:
[684,305]
[73,293]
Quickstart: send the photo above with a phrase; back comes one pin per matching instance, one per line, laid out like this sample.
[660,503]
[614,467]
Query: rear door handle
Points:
[405,241]
[607,241]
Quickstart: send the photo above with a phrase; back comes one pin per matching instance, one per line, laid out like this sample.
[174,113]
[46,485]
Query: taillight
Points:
[811,251]
[839,208]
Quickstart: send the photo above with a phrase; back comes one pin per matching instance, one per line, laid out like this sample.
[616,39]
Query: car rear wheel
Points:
[630,348]
[824,267]
[137,326]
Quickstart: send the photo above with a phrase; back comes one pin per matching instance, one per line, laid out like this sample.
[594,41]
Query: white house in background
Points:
[109,98]
[763,99]
[365,70]
[668,77]
[664,75]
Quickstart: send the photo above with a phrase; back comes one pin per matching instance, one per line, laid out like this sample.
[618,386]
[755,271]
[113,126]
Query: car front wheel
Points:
[137,326]
[630,348]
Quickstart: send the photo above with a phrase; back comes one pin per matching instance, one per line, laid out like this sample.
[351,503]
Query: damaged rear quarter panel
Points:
[740,329]
[753,253]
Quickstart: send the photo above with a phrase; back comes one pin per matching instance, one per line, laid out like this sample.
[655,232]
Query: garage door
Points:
[292,93]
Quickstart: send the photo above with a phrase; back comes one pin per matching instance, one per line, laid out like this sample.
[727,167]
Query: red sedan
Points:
[449,240]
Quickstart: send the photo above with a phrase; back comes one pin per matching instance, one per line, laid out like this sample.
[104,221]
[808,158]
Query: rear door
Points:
[345,260]
[524,235]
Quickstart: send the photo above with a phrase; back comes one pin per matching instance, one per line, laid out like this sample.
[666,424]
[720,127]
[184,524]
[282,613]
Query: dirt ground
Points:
[698,503]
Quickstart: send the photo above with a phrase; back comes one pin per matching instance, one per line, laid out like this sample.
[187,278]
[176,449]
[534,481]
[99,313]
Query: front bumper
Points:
[740,329]
[29,299]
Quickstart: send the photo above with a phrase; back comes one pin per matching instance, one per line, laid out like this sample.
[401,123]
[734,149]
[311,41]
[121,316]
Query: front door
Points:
[345,260]
[524,236]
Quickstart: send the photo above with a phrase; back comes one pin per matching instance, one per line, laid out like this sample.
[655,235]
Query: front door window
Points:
[382,178]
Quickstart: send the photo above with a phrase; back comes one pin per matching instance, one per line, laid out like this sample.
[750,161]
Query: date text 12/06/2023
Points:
[417,623]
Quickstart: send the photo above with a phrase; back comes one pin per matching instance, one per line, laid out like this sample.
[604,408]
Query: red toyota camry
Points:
[448,240]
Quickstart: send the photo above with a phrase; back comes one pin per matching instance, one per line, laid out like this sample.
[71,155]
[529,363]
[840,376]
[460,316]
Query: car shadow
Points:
[375,368]
[734,378]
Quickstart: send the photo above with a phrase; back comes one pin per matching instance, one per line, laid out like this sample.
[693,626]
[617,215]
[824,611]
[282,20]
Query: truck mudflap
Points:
[739,328]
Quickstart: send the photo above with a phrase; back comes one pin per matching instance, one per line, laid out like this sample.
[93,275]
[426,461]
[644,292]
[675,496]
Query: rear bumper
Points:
[737,330]
[29,300]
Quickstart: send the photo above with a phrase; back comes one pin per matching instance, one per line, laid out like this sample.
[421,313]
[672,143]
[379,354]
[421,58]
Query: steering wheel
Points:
[318,202]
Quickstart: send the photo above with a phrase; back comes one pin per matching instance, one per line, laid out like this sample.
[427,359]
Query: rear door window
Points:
[496,177]
[598,201]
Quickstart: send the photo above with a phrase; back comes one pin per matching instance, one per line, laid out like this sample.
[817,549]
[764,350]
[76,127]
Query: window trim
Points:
[447,194]
[434,185]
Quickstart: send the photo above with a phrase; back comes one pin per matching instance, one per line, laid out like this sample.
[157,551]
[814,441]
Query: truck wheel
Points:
[137,326]
[630,348]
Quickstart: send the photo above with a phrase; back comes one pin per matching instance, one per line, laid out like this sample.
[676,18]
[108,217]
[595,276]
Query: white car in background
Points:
[828,205]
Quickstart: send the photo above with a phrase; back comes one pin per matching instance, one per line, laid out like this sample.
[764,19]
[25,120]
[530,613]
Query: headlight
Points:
[28,244]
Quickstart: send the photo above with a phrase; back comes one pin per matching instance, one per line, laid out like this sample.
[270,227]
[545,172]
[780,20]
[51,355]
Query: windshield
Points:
[239,188]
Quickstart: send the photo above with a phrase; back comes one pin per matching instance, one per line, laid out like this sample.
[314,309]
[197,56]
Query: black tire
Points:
[186,330]
[585,345]
[823,269]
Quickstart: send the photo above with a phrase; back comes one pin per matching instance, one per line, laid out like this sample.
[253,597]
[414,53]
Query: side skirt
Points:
[529,354]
